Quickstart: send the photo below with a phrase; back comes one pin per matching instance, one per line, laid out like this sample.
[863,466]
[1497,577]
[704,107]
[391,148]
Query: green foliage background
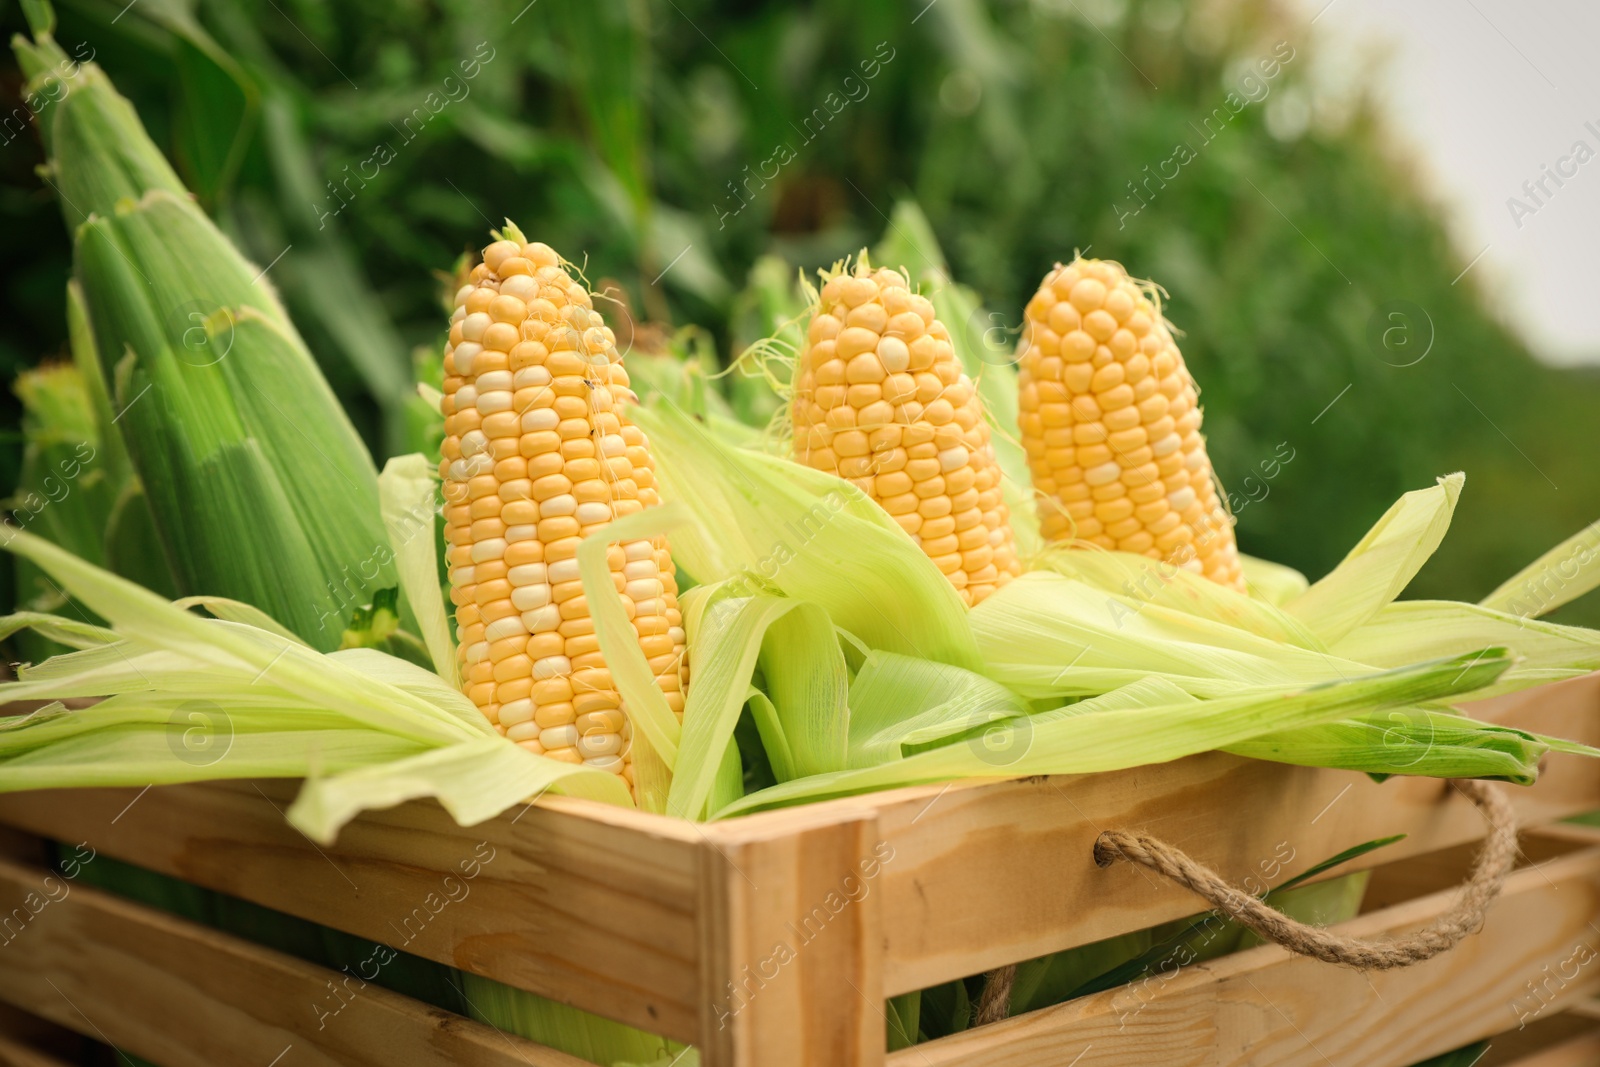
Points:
[629,131]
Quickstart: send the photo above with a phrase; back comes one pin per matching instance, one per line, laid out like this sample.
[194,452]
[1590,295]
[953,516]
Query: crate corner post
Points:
[792,942]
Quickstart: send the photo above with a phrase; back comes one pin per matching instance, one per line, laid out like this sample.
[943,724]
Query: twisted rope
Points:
[1465,916]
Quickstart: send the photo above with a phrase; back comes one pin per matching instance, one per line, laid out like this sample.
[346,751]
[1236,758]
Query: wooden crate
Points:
[774,939]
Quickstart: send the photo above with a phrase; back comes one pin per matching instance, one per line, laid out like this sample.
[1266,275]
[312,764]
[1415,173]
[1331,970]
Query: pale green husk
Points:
[258,485]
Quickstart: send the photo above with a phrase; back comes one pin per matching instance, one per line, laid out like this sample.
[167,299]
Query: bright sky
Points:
[1489,93]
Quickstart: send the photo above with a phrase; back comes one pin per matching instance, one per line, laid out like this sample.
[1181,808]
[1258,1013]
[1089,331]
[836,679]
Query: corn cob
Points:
[1110,419]
[880,399]
[538,453]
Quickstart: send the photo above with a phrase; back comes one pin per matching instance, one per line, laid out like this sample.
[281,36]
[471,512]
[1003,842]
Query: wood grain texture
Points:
[793,973]
[400,877]
[1265,1006]
[1583,1051]
[993,873]
[183,995]
[17,1054]
[983,873]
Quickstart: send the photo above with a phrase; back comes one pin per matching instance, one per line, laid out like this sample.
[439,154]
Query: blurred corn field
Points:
[358,150]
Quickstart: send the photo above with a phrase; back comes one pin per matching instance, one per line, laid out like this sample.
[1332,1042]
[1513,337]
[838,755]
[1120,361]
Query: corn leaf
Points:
[897,703]
[1381,564]
[647,707]
[1562,574]
[1272,582]
[772,522]
[803,711]
[1048,635]
[74,633]
[1142,580]
[473,780]
[1110,739]
[407,492]
[1425,629]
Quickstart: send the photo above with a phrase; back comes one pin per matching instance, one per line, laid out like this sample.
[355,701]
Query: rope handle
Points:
[1465,916]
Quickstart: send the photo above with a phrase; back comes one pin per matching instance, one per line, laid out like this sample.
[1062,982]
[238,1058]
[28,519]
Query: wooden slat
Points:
[16,1054]
[583,903]
[183,995]
[977,873]
[992,873]
[1583,1051]
[794,972]
[1267,1006]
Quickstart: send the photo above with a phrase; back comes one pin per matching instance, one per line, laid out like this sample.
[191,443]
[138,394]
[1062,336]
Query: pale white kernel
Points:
[676,633]
[531,378]
[510,626]
[466,353]
[564,570]
[477,653]
[558,736]
[461,297]
[516,711]
[561,504]
[536,419]
[490,403]
[489,548]
[527,574]
[542,620]
[643,589]
[1181,500]
[592,511]
[552,667]
[462,575]
[592,745]
[954,458]
[521,286]
[1166,446]
[474,442]
[530,597]
[493,380]
[645,608]
[474,325]
[612,444]
[523,731]
[466,397]
[639,550]
[641,568]
[609,764]
[521,533]
[1104,474]
[460,470]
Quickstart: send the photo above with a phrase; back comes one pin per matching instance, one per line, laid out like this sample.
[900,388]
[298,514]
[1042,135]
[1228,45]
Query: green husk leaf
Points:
[1566,572]
[1407,741]
[898,703]
[474,781]
[1410,630]
[1102,740]
[1272,582]
[1381,564]
[1047,635]
[74,633]
[772,522]
[1141,580]
[802,712]
[408,492]
[647,707]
